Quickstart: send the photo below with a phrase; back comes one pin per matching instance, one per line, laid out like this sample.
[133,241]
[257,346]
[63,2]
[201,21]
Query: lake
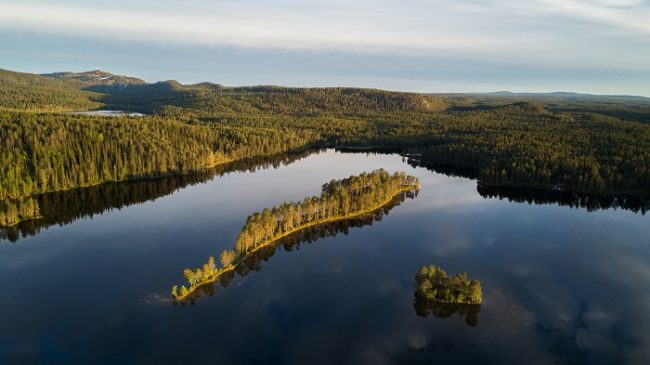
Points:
[108,113]
[561,283]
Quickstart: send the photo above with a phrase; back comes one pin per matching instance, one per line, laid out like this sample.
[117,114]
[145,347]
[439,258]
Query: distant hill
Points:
[627,107]
[96,76]
[97,80]
[131,93]
[61,91]
[567,95]
[12,78]
[24,91]
[548,95]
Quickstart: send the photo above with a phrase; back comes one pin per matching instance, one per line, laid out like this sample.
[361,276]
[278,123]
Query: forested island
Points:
[339,200]
[584,144]
[432,283]
[254,260]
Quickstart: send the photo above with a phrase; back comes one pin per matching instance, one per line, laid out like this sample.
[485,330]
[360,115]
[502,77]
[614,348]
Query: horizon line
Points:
[548,92]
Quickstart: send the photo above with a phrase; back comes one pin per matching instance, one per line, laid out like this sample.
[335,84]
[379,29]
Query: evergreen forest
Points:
[576,143]
[432,283]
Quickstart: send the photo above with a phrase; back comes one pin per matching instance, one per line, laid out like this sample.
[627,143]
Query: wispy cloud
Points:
[245,26]
[383,26]
[632,15]
[599,37]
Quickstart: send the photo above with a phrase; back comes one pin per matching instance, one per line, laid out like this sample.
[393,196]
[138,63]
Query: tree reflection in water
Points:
[65,207]
[637,202]
[425,308]
[591,202]
[62,208]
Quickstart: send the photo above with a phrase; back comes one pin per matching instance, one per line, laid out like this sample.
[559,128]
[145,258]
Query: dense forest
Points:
[432,283]
[49,152]
[573,143]
[27,92]
[18,218]
[339,200]
[587,153]
[13,211]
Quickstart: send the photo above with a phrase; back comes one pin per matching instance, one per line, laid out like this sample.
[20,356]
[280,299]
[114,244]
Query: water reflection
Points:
[65,207]
[425,308]
[537,196]
[62,208]
[562,286]
[253,262]
[522,194]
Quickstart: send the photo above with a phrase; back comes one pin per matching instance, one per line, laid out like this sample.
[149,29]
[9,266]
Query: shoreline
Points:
[168,174]
[351,149]
[148,178]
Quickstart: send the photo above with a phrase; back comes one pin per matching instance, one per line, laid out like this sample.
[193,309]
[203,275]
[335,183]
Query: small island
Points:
[433,284]
[344,199]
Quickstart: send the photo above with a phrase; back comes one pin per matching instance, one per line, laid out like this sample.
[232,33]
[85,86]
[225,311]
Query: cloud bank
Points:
[611,37]
[484,27]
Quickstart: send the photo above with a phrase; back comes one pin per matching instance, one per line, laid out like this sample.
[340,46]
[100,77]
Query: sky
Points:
[591,46]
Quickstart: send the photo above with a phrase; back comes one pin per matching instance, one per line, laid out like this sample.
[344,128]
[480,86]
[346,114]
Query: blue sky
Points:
[594,46]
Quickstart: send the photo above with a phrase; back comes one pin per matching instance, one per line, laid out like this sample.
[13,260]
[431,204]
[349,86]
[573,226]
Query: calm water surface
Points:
[560,285]
[109,113]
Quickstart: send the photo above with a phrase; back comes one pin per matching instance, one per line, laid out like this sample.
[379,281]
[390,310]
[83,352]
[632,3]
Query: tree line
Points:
[20,217]
[50,152]
[13,211]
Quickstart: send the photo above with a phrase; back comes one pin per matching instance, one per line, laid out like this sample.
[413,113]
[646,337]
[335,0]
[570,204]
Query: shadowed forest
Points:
[65,207]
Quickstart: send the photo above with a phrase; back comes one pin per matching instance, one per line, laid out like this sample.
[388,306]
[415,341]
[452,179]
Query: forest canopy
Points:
[580,144]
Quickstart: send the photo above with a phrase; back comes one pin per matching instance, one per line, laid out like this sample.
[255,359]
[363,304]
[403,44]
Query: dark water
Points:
[562,283]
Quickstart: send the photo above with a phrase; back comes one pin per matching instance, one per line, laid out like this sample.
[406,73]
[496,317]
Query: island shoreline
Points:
[231,267]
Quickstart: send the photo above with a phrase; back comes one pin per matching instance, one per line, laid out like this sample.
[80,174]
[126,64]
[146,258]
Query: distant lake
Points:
[562,283]
[109,113]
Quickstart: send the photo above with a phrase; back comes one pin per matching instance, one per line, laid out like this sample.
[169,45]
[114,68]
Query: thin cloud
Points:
[235,25]
[467,40]
[385,26]
[622,14]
